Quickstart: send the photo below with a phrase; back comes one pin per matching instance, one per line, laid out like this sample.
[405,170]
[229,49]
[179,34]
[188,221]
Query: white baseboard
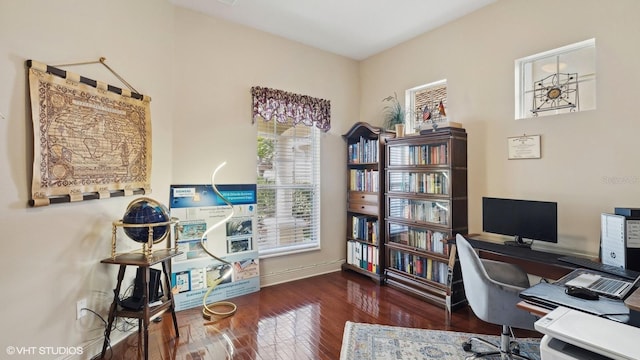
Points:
[301,272]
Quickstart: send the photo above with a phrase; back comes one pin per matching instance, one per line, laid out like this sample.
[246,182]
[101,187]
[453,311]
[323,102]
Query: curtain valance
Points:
[284,106]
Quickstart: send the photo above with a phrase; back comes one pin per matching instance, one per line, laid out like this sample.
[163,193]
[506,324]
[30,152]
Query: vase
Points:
[399,130]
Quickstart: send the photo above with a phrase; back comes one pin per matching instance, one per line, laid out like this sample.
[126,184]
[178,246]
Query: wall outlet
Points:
[80,306]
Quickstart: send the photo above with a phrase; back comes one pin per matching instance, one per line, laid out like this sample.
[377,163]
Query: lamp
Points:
[225,270]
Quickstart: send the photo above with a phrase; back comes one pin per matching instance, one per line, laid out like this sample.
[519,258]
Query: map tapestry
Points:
[89,137]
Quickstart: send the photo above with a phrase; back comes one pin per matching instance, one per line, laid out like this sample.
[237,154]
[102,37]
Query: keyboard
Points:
[593,265]
[609,287]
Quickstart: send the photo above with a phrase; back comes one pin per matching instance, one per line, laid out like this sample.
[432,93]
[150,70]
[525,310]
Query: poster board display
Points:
[198,208]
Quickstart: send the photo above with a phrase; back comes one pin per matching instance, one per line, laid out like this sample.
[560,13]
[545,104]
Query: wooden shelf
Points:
[365,200]
[373,276]
[146,313]
[426,204]
[139,259]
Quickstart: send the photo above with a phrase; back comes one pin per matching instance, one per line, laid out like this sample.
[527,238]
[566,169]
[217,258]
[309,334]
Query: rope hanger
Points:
[102,60]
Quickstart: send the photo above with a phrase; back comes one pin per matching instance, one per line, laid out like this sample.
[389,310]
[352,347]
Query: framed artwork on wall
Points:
[524,147]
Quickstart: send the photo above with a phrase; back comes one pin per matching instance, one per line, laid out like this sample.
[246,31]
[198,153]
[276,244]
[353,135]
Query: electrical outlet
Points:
[80,306]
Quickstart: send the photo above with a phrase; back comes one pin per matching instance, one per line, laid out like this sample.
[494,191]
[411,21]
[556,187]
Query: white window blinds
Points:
[288,185]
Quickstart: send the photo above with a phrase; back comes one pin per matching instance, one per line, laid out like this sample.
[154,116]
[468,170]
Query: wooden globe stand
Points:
[147,247]
[143,261]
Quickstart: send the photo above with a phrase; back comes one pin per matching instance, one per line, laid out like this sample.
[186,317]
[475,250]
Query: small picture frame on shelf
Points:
[524,147]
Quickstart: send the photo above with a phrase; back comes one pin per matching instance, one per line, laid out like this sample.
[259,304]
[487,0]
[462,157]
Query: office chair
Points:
[492,289]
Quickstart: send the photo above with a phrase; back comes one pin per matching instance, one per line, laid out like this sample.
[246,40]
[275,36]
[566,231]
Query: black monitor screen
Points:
[523,219]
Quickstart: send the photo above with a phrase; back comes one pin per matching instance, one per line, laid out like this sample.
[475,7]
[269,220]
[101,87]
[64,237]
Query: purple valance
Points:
[285,106]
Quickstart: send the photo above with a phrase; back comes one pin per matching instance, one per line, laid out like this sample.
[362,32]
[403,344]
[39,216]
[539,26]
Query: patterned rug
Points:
[380,342]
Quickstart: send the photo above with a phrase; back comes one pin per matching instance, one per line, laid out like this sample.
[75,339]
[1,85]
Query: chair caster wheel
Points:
[466,346]
[515,347]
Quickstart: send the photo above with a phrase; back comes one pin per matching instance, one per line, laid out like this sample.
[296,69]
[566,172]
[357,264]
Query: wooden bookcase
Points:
[426,204]
[365,200]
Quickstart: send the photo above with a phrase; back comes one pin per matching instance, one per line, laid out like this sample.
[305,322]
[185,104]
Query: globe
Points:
[146,211]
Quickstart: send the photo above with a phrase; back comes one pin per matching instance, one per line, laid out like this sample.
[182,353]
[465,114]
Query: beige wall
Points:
[583,154]
[198,71]
[50,256]
[218,63]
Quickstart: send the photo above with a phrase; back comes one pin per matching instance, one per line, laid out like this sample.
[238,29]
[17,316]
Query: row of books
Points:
[427,211]
[425,268]
[364,256]
[365,228]
[433,241]
[364,180]
[429,183]
[435,154]
[363,151]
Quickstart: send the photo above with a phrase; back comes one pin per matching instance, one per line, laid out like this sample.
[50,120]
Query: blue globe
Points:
[146,211]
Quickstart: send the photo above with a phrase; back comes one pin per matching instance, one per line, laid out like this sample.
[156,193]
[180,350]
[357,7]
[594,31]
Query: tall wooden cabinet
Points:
[365,200]
[426,204]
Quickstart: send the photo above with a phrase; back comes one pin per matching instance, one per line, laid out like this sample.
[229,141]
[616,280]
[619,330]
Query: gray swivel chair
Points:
[492,289]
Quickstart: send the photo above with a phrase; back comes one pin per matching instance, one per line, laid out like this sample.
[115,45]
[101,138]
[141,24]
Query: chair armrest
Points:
[506,273]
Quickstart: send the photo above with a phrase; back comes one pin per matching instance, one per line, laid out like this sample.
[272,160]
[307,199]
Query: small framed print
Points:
[524,147]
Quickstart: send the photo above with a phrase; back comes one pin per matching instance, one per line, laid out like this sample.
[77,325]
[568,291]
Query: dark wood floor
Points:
[297,320]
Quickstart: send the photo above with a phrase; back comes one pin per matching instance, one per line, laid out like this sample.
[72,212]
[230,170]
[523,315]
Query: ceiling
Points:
[353,28]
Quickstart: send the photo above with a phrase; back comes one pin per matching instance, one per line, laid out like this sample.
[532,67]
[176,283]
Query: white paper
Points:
[633,233]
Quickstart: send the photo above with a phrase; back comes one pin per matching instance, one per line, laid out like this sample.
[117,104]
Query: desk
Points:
[532,308]
[144,315]
[535,262]
[633,301]
[543,297]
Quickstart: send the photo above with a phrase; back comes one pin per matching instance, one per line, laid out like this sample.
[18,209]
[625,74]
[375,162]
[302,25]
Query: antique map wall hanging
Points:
[91,140]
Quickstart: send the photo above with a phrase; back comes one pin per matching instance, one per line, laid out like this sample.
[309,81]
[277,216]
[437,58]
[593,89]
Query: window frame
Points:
[412,114]
[524,80]
[314,188]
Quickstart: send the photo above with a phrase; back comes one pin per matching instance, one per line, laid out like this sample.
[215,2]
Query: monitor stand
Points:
[518,242]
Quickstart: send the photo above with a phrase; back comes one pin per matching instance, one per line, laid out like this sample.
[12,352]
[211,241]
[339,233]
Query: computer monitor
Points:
[522,219]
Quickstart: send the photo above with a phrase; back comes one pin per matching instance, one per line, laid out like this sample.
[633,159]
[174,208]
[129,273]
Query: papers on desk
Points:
[633,233]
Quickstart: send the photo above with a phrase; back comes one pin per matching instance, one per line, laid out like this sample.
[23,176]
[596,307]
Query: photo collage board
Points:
[198,209]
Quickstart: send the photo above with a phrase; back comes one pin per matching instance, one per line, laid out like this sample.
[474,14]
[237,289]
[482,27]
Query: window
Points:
[426,105]
[558,81]
[288,187]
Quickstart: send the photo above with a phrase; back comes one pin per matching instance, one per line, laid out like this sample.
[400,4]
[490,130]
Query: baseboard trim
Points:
[301,272]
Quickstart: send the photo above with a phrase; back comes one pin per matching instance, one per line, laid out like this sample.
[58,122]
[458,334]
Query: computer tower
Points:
[135,301]
[620,240]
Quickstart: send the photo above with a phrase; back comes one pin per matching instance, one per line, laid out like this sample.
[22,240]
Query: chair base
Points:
[508,349]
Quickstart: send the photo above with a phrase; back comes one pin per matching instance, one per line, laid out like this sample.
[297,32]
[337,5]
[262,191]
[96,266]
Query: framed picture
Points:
[524,147]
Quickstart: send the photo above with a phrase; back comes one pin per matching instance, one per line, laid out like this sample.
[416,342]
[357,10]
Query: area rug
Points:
[380,342]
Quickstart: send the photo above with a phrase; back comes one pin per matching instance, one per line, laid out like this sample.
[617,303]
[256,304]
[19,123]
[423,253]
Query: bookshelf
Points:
[365,200]
[425,205]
